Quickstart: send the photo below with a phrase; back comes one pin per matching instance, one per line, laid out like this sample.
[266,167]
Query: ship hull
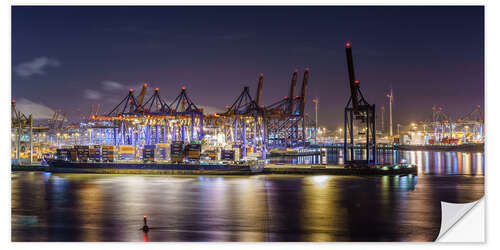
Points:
[56,166]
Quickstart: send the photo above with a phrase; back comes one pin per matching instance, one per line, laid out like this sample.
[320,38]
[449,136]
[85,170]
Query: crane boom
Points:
[62,121]
[97,109]
[353,83]
[291,95]
[54,122]
[91,111]
[259,90]
[53,116]
[141,95]
[305,80]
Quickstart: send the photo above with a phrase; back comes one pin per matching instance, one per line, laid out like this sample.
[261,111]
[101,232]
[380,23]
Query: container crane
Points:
[360,111]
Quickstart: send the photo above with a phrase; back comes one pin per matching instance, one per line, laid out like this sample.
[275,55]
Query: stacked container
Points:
[95,153]
[73,154]
[148,154]
[82,152]
[227,155]
[237,152]
[177,151]
[63,154]
[127,152]
[193,151]
[161,152]
[108,153]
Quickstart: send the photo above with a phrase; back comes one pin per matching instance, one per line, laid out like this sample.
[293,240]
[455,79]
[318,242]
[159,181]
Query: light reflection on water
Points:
[86,207]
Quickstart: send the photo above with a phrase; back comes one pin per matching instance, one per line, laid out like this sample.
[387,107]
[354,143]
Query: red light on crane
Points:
[157,89]
[356,82]
[183,88]
[145,85]
[388,96]
[347,44]
[13,101]
[478,106]
[261,75]
[285,97]
[131,90]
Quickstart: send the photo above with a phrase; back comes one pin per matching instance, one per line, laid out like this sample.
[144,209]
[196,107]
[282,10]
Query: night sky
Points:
[69,57]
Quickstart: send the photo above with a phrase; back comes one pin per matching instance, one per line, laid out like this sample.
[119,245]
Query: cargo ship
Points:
[126,159]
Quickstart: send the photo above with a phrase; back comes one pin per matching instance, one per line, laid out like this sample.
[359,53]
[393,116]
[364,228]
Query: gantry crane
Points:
[245,121]
[358,111]
[286,119]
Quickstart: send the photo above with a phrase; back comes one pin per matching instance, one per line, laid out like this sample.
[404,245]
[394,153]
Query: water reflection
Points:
[74,207]
[428,162]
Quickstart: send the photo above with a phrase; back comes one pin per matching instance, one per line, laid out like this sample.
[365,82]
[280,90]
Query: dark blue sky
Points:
[429,55]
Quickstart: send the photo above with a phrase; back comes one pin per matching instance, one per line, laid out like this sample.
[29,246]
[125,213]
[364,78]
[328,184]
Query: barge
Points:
[294,153]
[61,166]
[466,147]
[328,169]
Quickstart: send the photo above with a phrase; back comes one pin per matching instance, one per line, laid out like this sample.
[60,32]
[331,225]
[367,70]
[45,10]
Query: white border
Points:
[492,90]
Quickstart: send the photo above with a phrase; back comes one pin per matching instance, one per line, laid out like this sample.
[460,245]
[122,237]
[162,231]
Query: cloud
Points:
[38,110]
[111,85]
[92,94]
[35,66]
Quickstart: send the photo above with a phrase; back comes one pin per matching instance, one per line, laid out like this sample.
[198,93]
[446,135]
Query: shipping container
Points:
[82,152]
[63,154]
[73,154]
[162,152]
[108,153]
[177,151]
[227,155]
[148,153]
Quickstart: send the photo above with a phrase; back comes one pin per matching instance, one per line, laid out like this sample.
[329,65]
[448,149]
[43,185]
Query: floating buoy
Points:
[145,228]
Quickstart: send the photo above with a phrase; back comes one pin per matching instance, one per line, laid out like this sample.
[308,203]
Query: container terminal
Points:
[143,134]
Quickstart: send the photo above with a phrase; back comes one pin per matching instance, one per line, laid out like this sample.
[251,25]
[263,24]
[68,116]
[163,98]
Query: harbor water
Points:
[88,207]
